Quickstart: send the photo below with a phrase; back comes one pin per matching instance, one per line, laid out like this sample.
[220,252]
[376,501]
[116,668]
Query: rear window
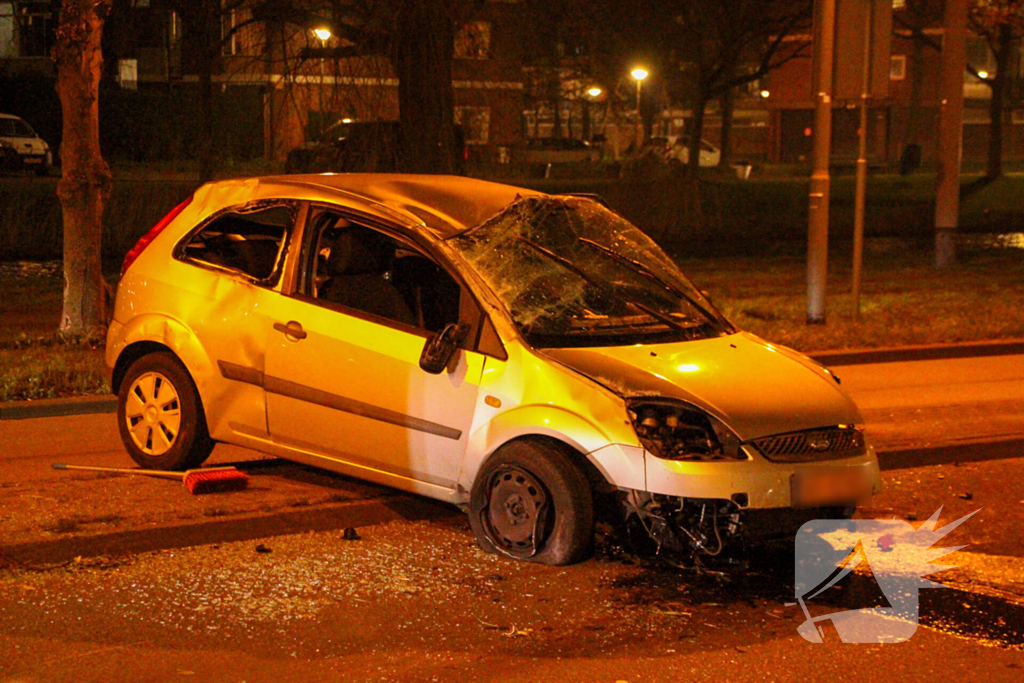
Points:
[249,241]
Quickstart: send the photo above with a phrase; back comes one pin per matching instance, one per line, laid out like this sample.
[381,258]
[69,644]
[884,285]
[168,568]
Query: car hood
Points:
[754,387]
[27,145]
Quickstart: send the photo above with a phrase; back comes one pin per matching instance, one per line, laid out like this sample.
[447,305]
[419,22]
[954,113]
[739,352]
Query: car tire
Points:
[160,415]
[531,502]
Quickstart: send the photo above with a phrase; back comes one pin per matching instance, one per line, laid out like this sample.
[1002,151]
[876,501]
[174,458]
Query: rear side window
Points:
[249,241]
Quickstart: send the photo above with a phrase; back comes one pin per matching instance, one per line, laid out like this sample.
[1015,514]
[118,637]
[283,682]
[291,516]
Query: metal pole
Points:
[321,126]
[947,190]
[817,229]
[639,121]
[862,160]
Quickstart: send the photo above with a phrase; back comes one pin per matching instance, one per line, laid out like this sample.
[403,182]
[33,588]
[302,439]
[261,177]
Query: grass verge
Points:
[904,301]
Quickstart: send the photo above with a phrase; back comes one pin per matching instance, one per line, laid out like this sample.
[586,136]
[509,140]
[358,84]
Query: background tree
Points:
[418,40]
[1001,24]
[725,44]
[206,33]
[85,182]
[912,20]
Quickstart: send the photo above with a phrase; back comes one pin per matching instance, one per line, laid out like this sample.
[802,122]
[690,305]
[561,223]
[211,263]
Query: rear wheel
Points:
[160,416]
[531,502]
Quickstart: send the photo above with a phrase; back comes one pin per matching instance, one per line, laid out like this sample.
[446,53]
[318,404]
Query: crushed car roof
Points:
[445,204]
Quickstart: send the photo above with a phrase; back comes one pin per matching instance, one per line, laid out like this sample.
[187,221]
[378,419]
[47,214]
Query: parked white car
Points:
[676,148]
[513,353]
[21,148]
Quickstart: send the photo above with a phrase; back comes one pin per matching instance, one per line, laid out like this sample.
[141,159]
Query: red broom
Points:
[205,480]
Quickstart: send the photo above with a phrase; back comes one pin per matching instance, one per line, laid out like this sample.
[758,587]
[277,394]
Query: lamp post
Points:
[324,35]
[588,120]
[639,74]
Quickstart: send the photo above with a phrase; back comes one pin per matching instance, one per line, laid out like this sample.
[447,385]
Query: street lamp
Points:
[594,92]
[639,74]
[324,35]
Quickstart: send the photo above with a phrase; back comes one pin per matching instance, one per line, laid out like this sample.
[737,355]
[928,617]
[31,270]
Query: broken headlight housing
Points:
[674,430]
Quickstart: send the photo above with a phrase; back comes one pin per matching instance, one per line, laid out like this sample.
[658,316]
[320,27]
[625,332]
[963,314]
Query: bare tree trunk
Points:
[994,167]
[912,132]
[692,211]
[728,107]
[696,135]
[85,183]
[425,98]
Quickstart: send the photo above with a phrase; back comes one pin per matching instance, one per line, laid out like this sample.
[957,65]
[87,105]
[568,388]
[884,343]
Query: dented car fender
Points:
[165,331]
[617,462]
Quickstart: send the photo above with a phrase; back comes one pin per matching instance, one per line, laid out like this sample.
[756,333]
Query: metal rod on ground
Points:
[947,188]
[862,160]
[817,228]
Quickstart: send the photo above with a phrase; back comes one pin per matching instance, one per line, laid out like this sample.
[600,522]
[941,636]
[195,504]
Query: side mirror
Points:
[440,347]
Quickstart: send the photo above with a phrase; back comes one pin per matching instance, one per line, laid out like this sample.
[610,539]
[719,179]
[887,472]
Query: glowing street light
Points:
[639,74]
[983,75]
[324,35]
[594,91]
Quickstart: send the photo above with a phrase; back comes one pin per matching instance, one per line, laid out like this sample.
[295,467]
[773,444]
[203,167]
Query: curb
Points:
[974,450]
[58,407]
[85,405]
[356,514]
[898,354]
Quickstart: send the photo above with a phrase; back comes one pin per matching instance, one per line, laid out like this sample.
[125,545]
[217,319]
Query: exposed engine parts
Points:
[674,431]
[680,526]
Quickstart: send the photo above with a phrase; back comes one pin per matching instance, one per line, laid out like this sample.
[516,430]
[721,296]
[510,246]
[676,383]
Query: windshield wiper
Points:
[644,271]
[679,327]
[561,260]
[570,266]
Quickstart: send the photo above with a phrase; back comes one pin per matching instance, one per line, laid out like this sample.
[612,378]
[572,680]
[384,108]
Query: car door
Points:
[342,375]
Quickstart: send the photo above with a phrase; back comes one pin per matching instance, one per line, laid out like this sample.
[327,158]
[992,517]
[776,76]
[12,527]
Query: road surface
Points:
[96,583]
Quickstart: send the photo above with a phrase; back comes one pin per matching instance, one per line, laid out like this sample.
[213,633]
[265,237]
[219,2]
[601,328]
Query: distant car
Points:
[21,148]
[555,151]
[514,353]
[677,149]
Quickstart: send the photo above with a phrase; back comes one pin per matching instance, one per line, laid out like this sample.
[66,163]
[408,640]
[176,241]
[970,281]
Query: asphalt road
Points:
[96,582]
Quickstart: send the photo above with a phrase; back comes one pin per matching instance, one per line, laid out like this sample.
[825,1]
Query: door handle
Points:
[292,329]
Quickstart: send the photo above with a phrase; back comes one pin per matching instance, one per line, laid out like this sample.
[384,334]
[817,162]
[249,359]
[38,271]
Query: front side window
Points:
[15,128]
[363,269]
[574,273]
[249,241]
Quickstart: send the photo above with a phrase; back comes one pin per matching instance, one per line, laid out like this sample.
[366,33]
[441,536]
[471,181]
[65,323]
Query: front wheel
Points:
[531,502]
[160,416]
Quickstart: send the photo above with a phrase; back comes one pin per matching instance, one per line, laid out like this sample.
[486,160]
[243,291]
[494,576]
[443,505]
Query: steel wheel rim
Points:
[152,413]
[517,512]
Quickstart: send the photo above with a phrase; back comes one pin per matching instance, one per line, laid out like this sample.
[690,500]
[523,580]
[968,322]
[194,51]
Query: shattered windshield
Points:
[574,273]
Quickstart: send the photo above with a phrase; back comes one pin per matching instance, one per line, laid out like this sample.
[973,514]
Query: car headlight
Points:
[674,430]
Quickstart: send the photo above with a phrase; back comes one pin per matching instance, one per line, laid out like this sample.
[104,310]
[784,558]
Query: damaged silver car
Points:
[517,354]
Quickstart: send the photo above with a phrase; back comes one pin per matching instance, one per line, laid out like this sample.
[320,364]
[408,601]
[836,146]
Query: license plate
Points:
[817,486]
[33,160]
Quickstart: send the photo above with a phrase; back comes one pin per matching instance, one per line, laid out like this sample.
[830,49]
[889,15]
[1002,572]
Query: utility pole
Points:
[817,229]
[947,189]
[862,160]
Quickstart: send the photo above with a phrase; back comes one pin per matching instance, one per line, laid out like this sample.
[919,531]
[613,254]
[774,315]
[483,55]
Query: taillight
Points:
[129,259]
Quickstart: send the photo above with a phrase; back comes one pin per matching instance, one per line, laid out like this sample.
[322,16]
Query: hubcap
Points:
[153,413]
[517,511]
